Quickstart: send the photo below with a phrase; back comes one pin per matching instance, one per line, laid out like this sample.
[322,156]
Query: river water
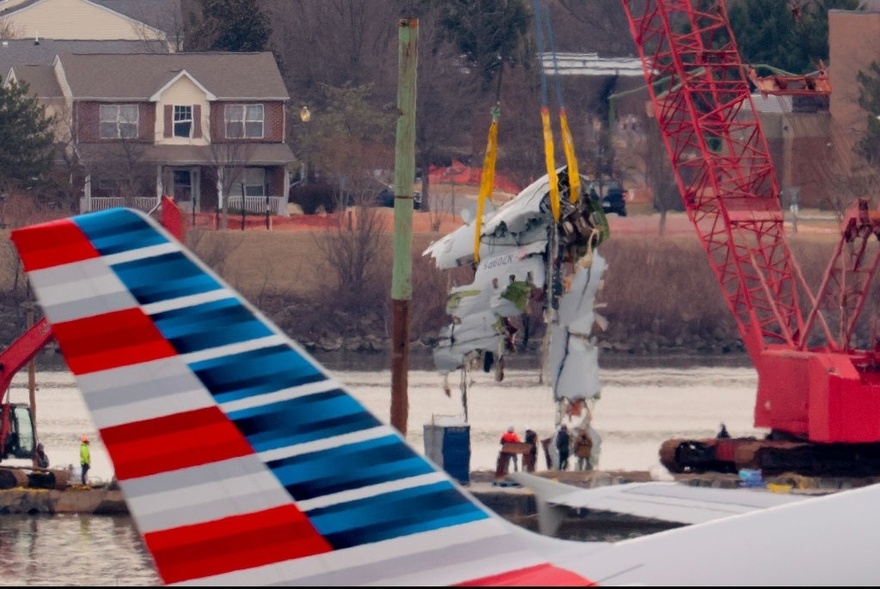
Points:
[643,402]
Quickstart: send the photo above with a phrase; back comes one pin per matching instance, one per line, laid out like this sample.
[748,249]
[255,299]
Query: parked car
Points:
[316,196]
[385,197]
[613,196]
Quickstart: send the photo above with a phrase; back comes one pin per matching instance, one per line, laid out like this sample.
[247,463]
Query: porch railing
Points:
[144,203]
[256,205]
[253,205]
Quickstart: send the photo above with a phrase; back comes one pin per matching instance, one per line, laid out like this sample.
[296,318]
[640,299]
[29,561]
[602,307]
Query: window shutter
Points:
[197,120]
[169,123]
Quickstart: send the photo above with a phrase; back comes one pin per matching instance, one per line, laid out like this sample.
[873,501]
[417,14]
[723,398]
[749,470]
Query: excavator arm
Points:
[13,359]
[22,351]
[28,345]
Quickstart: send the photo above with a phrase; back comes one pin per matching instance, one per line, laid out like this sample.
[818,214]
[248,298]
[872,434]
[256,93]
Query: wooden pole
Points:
[404,176]
[32,380]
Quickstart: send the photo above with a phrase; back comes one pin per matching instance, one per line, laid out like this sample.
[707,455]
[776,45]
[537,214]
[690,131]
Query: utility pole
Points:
[404,176]
[32,379]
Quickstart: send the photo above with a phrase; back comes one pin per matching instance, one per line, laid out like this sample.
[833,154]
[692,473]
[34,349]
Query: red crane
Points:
[817,394]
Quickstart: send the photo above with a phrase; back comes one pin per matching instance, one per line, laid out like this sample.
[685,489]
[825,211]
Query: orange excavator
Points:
[18,432]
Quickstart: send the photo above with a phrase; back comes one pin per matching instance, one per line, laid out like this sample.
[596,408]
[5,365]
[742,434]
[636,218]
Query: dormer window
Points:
[183,121]
[244,121]
[119,121]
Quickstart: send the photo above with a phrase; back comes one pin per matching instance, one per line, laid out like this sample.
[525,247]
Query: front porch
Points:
[252,179]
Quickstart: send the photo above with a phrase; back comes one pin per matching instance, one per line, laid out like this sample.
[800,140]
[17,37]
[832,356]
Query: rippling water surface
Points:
[641,406]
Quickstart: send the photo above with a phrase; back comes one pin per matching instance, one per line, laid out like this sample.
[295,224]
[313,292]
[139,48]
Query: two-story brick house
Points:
[202,126]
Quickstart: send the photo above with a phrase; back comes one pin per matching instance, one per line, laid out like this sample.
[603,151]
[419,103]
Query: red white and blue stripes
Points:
[242,460]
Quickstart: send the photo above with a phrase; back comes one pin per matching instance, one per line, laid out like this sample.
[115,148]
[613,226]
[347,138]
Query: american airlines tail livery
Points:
[243,462]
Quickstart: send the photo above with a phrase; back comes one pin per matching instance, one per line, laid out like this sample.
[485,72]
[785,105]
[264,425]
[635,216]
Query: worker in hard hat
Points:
[509,437]
[85,457]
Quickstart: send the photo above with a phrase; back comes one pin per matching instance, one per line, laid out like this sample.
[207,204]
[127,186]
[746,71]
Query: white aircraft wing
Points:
[823,540]
[665,501]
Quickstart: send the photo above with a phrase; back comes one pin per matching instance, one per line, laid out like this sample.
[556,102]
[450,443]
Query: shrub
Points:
[313,198]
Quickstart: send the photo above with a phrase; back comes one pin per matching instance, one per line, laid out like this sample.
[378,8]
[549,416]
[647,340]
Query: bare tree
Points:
[349,141]
[448,95]
[170,41]
[229,161]
[335,42]
[357,260]
[123,165]
[591,27]
[442,206]
[659,176]
[848,172]
[8,30]
[520,137]
[67,175]
[214,248]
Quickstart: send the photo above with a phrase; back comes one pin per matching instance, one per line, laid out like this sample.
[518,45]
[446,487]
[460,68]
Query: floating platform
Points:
[85,499]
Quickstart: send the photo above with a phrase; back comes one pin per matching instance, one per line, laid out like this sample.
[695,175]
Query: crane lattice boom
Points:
[818,395]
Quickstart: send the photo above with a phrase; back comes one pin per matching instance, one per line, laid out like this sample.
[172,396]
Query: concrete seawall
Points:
[73,499]
[507,499]
[514,503]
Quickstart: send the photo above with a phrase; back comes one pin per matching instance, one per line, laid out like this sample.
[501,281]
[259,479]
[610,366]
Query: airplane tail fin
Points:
[242,460]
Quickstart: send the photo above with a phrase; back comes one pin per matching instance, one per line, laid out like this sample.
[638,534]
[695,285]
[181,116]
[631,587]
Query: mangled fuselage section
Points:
[528,261]
[483,312]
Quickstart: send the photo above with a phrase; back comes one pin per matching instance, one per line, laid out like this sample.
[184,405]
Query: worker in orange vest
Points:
[511,437]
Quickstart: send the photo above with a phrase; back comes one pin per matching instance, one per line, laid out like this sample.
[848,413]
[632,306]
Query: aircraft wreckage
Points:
[527,260]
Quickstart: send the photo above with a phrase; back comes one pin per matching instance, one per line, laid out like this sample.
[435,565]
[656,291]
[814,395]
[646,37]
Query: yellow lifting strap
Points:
[487,180]
[550,159]
[574,178]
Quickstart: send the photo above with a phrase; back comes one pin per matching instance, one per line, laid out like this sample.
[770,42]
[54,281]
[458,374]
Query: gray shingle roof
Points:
[41,80]
[28,52]
[229,76]
[17,7]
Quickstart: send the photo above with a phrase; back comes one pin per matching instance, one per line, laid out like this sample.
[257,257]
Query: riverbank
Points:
[648,296]
[509,500]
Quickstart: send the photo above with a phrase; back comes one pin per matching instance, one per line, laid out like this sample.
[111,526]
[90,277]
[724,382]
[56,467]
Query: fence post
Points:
[243,206]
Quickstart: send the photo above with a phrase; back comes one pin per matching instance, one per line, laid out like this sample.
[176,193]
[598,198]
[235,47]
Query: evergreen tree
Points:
[771,33]
[488,33]
[230,25]
[26,138]
[869,99]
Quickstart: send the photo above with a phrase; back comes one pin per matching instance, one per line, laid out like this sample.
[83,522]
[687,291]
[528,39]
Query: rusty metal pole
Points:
[404,176]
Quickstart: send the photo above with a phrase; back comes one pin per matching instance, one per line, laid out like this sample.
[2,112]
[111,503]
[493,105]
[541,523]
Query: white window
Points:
[183,121]
[254,181]
[244,121]
[119,121]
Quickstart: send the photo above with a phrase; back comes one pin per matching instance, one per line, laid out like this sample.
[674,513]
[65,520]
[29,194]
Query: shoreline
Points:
[510,500]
